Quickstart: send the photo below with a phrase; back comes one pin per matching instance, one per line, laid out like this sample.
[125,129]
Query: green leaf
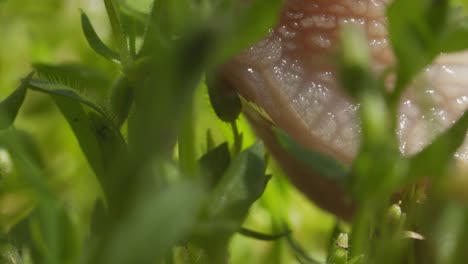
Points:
[419,31]
[10,106]
[54,234]
[246,25]
[440,152]
[95,42]
[228,205]
[411,37]
[455,35]
[99,139]
[242,184]
[214,164]
[324,165]
[84,131]
[64,91]
[74,75]
[121,100]
[168,19]
[155,223]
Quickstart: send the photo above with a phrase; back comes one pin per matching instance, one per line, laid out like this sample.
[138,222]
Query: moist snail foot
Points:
[292,75]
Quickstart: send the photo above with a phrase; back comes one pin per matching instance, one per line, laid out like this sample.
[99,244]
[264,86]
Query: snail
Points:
[292,75]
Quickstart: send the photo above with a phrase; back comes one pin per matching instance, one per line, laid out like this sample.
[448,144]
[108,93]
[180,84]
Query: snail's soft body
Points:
[292,75]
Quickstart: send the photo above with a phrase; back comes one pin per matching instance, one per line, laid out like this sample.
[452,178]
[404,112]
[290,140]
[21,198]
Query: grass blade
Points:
[95,42]
[10,106]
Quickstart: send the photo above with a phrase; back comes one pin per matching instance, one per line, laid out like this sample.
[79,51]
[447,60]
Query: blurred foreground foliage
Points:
[118,157]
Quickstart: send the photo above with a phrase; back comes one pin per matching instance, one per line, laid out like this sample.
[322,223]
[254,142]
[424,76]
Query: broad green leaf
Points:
[242,184]
[318,162]
[95,42]
[99,139]
[9,107]
[226,209]
[214,163]
[440,152]
[84,131]
[155,223]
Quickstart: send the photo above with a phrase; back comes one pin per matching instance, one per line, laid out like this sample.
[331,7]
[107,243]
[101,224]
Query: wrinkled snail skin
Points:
[292,75]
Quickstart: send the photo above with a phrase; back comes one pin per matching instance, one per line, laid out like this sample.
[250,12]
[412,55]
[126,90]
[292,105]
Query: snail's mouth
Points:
[292,75]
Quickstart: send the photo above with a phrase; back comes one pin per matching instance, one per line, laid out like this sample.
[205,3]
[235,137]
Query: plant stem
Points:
[112,12]
[237,138]
[186,144]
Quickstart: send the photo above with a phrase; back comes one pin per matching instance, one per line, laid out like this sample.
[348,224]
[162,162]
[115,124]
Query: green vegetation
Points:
[111,151]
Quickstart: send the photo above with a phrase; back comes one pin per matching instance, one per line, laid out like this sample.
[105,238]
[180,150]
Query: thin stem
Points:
[112,12]
[187,156]
[237,138]
[132,40]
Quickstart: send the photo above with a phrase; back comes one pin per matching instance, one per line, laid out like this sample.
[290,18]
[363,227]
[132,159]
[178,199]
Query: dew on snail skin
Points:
[290,45]
[253,77]
[321,41]
[308,105]
[327,127]
[352,20]
[266,52]
[402,128]
[288,76]
[359,7]
[462,102]
[294,15]
[338,9]
[322,21]
[286,32]
[376,28]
